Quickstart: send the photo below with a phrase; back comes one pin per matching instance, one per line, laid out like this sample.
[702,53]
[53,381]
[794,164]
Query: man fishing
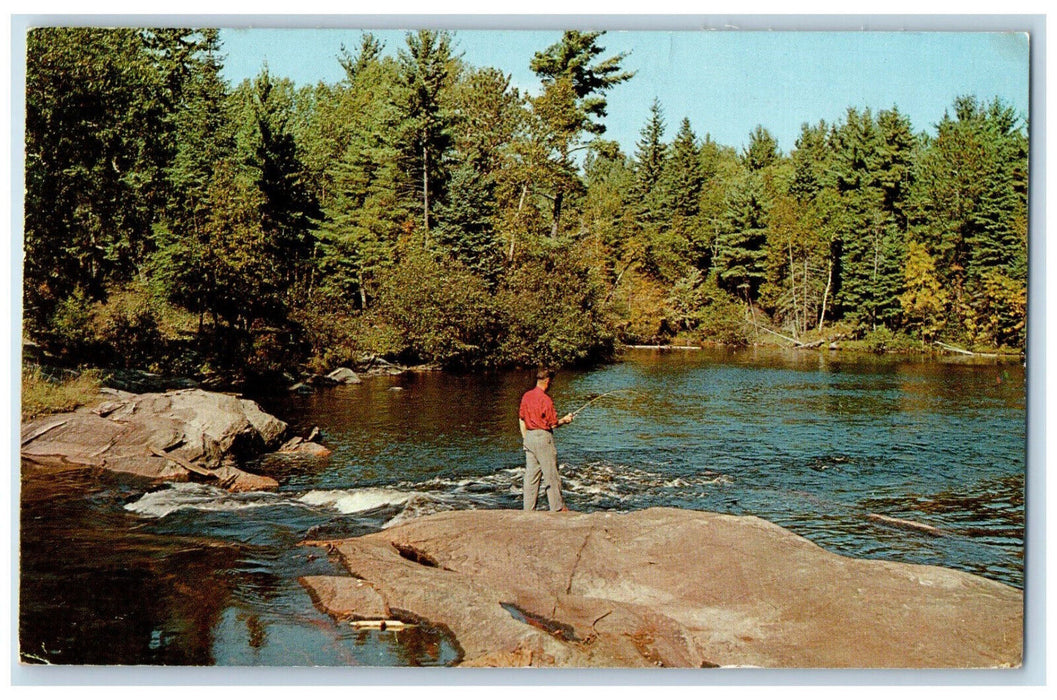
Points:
[537,420]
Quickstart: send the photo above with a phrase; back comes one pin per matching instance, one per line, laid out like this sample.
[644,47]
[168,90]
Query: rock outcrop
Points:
[665,587]
[170,435]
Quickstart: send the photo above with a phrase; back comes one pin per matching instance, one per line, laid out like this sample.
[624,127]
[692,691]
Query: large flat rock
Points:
[666,587]
[169,435]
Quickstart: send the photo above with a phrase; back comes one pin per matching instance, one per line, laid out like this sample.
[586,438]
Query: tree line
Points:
[426,210]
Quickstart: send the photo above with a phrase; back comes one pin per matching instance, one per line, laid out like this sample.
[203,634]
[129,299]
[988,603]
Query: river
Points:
[113,572]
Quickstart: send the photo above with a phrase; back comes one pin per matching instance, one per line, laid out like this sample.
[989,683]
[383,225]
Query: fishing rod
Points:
[615,391]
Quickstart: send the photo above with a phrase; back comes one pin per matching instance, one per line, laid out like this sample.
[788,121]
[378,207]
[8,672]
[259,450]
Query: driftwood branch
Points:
[905,524]
[964,352]
[664,347]
[783,337]
[36,434]
[180,461]
[805,346]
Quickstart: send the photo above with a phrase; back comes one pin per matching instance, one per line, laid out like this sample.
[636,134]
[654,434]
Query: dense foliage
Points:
[425,210]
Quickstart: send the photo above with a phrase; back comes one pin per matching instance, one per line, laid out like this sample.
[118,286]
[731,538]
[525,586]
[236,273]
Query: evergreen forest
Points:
[424,210]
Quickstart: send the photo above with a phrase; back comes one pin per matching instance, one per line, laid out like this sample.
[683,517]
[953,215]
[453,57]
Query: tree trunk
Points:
[557,213]
[425,190]
[513,231]
[804,317]
[825,296]
[752,311]
[792,286]
[873,278]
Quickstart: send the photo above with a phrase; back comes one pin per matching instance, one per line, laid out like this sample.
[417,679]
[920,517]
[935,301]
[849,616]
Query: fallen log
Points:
[798,345]
[664,347]
[960,351]
[180,461]
[906,524]
[41,431]
[783,337]
[381,624]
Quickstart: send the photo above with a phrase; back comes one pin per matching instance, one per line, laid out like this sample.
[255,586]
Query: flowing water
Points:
[113,572]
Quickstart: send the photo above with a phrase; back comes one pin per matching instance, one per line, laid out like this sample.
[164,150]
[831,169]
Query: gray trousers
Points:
[541,463]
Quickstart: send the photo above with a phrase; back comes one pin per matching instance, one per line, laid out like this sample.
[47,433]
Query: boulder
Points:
[667,587]
[344,375]
[302,446]
[166,435]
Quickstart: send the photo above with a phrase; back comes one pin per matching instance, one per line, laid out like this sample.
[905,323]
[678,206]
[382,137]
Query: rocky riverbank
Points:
[664,587]
[172,435]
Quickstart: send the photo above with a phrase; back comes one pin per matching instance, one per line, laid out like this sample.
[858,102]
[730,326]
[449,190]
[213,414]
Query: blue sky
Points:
[725,82]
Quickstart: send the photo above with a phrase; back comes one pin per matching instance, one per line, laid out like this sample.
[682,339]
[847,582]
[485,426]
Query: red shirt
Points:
[537,410]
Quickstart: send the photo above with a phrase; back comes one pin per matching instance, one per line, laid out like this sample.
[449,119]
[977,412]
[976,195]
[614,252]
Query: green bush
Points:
[126,329]
[44,394]
[440,311]
[433,309]
[338,335]
[122,331]
[72,331]
[551,313]
[329,331]
[718,317]
[882,339]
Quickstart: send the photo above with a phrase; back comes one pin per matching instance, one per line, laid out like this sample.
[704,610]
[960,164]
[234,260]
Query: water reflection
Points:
[95,590]
[115,571]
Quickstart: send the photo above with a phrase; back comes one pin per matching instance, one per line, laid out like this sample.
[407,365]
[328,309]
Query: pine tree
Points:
[571,58]
[896,153]
[486,116]
[288,211]
[204,139]
[741,254]
[427,69]
[369,52]
[97,146]
[809,159]
[650,157]
[997,239]
[871,241]
[573,102]
[466,228]
[683,176]
[365,214]
[762,150]
[969,209]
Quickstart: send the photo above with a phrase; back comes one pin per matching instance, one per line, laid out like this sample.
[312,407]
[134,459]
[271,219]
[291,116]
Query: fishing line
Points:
[608,393]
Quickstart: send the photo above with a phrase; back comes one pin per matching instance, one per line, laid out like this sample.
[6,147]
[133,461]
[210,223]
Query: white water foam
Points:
[600,483]
[413,504]
[500,481]
[356,500]
[595,482]
[420,505]
[192,496]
